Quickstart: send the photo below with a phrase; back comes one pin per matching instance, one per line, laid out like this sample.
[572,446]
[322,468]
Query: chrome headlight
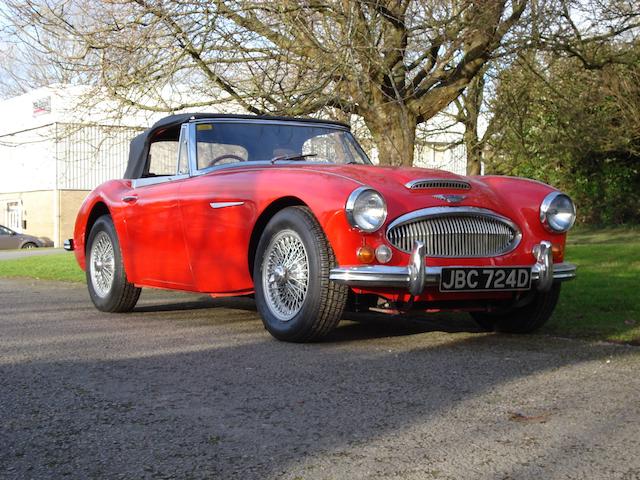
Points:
[557,212]
[366,209]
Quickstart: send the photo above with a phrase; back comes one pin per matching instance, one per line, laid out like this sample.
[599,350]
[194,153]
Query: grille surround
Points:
[455,232]
[433,183]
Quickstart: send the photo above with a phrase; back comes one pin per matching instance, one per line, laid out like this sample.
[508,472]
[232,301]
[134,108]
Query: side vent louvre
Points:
[428,183]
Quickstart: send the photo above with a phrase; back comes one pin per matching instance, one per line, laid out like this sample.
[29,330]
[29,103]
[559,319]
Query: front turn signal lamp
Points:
[365,254]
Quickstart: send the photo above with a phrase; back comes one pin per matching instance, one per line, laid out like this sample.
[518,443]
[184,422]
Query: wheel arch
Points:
[262,221]
[27,241]
[97,210]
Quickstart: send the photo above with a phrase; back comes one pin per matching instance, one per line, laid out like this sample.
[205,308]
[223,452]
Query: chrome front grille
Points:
[429,183]
[455,232]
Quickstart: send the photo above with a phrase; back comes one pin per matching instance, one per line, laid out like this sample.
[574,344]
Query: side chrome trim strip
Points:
[225,204]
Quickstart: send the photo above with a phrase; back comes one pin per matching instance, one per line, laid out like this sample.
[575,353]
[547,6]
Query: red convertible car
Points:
[292,211]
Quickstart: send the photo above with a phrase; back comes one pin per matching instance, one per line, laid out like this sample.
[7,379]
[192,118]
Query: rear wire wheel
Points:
[296,299]
[109,289]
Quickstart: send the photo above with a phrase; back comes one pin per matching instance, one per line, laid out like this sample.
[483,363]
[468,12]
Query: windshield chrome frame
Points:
[193,154]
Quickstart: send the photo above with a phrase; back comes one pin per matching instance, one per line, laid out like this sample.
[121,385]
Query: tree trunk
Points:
[472,99]
[394,134]
[474,151]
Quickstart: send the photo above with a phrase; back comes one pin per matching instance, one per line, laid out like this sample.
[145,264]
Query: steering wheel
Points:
[224,156]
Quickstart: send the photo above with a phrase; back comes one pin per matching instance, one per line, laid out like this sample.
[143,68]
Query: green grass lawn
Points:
[603,303]
[62,266]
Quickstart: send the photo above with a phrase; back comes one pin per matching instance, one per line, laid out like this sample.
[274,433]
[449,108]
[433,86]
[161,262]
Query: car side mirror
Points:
[13,233]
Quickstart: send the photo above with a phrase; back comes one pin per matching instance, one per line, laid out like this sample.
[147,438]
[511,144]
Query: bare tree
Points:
[395,63]
[23,67]
[596,32]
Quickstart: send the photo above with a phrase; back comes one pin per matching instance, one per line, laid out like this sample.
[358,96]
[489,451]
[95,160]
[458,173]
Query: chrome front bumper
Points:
[417,276]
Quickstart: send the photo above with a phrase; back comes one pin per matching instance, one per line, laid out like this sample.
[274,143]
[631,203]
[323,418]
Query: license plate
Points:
[469,279]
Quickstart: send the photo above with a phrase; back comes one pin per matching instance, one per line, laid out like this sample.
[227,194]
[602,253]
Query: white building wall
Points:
[89,139]
[27,161]
[21,113]
[441,156]
[52,123]
[90,155]
[438,145]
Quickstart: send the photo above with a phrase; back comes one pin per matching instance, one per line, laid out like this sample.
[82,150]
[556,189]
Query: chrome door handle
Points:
[130,199]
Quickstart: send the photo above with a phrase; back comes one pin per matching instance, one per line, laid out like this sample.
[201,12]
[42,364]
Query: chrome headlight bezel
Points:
[548,209]
[354,217]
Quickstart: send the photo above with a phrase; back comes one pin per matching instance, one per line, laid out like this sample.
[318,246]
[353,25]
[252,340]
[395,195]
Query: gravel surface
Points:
[191,387]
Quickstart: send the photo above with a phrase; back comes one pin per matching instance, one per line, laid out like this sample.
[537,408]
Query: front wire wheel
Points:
[285,278]
[296,299]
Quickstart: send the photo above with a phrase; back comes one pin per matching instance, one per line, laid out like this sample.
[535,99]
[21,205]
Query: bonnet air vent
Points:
[428,183]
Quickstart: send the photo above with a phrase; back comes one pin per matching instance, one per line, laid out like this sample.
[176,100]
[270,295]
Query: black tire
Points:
[525,319]
[122,295]
[323,302]
[29,245]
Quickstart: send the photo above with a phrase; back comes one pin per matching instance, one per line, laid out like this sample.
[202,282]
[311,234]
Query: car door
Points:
[217,237]
[155,238]
[216,205]
[8,239]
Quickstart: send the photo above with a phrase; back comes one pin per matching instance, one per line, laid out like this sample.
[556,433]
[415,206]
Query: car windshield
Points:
[220,143]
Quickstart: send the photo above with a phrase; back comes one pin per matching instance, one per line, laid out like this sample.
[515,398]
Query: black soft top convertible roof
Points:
[139,148]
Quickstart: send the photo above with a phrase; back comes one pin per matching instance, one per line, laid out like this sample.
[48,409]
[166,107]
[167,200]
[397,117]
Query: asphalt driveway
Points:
[190,387]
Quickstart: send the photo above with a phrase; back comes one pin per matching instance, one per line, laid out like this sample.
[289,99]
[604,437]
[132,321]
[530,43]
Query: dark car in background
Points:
[10,239]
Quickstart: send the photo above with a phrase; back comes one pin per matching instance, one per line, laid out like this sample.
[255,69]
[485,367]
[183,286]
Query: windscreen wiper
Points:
[295,156]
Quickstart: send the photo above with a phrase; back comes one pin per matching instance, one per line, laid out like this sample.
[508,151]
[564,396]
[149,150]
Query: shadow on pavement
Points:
[198,396]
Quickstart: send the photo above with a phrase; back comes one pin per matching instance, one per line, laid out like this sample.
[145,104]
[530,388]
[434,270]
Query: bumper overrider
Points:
[417,276]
